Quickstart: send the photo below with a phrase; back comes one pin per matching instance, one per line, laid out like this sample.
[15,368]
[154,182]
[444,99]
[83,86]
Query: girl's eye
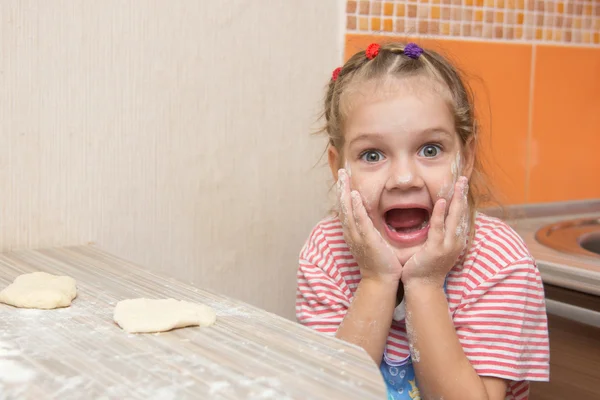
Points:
[430,151]
[371,156]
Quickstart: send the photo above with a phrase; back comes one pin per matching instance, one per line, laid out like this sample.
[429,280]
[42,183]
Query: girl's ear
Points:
[334,159]
[469,154]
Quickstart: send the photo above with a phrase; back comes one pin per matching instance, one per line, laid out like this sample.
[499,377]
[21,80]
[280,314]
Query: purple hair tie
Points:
[413,51]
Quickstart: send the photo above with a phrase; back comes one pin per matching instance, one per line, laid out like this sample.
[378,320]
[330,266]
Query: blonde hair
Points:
[391,61]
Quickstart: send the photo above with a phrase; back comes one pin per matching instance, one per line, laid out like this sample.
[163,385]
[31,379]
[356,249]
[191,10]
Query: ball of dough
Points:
[149,315]
[40,290]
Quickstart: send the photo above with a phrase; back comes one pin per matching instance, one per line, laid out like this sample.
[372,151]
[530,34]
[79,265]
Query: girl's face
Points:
[402,154]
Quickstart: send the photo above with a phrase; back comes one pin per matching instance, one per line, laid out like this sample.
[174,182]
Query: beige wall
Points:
[174,134]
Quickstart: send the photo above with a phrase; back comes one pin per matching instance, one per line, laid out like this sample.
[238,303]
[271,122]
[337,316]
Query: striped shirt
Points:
[495,296]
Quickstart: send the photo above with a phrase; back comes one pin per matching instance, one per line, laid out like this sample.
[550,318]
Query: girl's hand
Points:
[373,254]
[446,240]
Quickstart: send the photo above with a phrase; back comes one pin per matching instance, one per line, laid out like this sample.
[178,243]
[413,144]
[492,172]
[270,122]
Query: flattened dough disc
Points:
[150,315]
[40,290]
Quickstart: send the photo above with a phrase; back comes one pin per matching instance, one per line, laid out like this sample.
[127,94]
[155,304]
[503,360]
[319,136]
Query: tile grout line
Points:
[529,139]
[527,42]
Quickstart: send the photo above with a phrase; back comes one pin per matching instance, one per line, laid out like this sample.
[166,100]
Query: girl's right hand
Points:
[373,254]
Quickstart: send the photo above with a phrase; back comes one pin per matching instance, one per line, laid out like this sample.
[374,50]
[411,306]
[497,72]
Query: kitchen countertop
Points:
[79,352]
[556,268]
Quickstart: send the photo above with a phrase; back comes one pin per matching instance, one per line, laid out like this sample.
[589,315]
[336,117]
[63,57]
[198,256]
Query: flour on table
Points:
[13,372]
[40,290]
[149,315]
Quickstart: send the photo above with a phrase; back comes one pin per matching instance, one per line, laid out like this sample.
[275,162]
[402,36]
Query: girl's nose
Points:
[403,176]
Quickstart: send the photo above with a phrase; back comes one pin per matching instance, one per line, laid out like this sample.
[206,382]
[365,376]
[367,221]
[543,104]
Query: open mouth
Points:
[407,224]
[407,220]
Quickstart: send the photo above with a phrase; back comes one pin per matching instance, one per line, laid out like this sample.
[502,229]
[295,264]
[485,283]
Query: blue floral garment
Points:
[400,380]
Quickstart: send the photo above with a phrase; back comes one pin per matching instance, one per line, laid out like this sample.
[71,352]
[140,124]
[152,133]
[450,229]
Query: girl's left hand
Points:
[446,240]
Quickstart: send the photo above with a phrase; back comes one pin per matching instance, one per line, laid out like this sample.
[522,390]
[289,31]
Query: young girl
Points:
[446,300]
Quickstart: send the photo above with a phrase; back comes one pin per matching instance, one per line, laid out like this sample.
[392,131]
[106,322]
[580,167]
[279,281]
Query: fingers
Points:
[457,219]
[358,212]
[364,224]
[358,226]
[436,223]
[343,198]
[345,205]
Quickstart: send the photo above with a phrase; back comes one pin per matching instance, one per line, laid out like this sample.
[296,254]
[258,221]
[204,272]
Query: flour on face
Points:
[403,180]
[447,189]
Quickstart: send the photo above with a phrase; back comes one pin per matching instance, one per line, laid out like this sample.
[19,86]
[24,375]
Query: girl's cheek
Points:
[369,189]
[445,190]
[360,186]
[370,199]
[368,182]
[449,181]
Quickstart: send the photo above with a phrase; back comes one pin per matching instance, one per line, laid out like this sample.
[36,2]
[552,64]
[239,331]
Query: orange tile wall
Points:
[534,67]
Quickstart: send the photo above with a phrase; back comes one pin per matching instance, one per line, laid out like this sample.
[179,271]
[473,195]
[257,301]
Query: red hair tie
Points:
[372,51]
[336,73]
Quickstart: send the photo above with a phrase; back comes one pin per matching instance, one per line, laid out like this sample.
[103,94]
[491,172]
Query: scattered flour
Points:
[6,350]
[447,189]
[463,226]
[414,353]
[13,372]
[404,179]
[218,386]
[412,339]
[456,168]
[233,312]
[67,384]
[273,382]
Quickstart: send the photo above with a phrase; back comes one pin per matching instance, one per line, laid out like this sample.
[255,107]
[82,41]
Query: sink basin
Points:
[576,236]
[591,242]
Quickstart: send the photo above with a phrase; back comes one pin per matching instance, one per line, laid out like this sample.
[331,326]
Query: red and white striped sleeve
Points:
[322,296]
[502,323]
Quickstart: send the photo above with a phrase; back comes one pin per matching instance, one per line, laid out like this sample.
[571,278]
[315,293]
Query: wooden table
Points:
[79,352]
